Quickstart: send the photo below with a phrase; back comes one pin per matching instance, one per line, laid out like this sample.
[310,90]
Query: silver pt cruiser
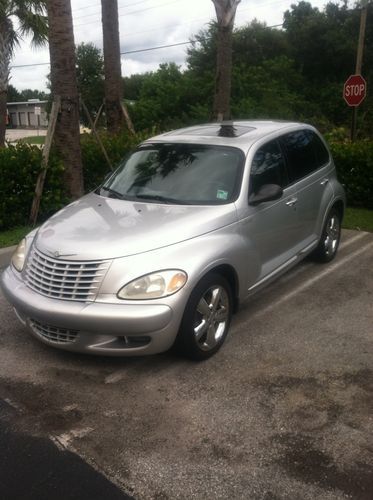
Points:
[193,222]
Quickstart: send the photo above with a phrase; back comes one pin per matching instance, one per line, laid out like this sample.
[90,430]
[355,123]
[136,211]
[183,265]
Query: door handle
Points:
[324,182]
[291,202]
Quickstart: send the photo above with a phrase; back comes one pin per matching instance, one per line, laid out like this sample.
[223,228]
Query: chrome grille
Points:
[66,280]
[53,333]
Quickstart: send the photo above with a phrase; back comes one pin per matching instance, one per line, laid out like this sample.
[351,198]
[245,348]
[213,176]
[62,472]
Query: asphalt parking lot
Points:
[283,411]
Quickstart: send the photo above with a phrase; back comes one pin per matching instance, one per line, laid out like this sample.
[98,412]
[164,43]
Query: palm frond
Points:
[35,25]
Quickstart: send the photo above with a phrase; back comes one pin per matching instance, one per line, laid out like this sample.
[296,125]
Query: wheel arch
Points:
[340,207]
[230,274]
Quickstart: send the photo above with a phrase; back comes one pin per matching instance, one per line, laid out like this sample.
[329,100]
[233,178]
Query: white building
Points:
[30,114]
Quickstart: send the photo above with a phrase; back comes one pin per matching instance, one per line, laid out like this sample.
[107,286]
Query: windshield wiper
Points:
[114,193]
[156,197]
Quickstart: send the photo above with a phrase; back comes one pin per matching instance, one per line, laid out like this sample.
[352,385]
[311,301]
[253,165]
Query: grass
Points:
[34,139]
[13,236]
[358,218]
[355,218]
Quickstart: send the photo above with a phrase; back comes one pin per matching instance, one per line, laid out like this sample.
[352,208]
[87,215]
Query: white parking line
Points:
[64,440]
[304,265]
[349,242]
[115,377]
[331,268]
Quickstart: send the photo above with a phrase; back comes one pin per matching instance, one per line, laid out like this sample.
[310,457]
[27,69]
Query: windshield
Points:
[178,173]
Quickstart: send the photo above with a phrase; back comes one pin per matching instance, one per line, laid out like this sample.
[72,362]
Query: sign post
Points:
[37,112]
[359,62]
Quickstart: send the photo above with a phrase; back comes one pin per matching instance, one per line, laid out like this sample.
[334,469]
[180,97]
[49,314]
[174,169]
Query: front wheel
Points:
[206,319]
[329,241]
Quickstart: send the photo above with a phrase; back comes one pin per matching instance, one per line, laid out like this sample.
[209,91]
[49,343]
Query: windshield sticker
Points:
[221,195]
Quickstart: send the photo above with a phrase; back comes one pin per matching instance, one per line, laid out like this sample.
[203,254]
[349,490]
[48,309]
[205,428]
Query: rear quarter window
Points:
[305,153]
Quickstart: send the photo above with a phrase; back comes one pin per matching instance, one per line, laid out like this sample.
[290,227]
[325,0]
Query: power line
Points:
[130,13]
[147,49]
[161,5]
[156,48]
[119,8]
[30,65]
[99,5]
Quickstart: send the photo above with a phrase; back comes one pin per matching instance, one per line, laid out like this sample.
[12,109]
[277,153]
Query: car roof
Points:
[238,133]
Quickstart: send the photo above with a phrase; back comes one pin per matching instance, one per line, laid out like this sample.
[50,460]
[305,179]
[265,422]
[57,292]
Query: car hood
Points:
[96,227]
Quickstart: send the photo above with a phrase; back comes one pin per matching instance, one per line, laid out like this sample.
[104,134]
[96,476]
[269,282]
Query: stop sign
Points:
[354,90]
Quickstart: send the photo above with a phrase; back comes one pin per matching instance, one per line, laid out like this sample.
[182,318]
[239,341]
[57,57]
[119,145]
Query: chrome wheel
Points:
[327,248]
[206,319]
[332,233]
[212,317]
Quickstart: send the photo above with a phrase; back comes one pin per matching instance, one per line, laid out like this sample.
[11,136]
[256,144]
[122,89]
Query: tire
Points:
[327,248]
[206,318]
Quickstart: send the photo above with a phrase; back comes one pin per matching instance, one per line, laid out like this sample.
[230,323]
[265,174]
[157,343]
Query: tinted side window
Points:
[268,167]
[301,154]
[322,154]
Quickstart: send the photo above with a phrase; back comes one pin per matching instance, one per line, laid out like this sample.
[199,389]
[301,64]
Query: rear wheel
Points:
[206,319]
[329,241]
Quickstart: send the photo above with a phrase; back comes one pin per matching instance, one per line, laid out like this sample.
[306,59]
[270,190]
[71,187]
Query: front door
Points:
[270,227]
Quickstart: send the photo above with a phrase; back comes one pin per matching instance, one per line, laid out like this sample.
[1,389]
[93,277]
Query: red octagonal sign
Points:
[354,90]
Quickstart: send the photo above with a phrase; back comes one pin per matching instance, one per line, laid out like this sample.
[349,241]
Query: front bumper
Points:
[92,327]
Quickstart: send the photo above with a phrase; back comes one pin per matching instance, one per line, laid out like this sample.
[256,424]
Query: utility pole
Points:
[359,60]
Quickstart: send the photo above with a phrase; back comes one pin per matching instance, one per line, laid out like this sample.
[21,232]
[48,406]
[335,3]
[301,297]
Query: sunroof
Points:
[223,130]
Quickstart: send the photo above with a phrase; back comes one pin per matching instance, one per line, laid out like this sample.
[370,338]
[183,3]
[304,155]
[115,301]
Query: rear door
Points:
[309,165]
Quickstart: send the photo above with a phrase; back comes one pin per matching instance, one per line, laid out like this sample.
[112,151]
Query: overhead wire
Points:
[130,13]
[147,49]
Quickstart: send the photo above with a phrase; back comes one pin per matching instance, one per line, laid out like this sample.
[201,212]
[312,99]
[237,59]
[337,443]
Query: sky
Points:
[144,24]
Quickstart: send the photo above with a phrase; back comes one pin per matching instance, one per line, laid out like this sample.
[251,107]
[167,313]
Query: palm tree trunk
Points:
[223,73]
[3,96]
[5,56]
[63,79]
[225,13]
[112,66]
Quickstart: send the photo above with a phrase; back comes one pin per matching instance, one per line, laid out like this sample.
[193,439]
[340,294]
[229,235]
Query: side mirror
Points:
[268,192]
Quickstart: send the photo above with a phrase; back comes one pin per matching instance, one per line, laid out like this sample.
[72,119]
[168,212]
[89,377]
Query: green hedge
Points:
[354,164]
[20,166]
[19,169]
[95,166]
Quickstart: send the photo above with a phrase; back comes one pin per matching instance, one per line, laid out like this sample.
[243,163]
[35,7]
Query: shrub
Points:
[19,166]
[354,164]
[95,166]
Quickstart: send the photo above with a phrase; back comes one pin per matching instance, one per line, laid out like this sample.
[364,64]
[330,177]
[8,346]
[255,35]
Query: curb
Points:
[5,255]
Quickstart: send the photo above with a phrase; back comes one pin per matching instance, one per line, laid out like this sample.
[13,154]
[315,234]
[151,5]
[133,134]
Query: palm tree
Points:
[225,13]
[17,18]
[64,85]
[112,66]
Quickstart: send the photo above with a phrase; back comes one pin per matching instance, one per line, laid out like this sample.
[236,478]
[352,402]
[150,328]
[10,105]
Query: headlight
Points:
[154,285]
[18,258]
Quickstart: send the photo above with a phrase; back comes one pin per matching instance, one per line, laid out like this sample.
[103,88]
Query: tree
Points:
[225,13]
[63,80]
[112,66]
[17,18]
[323,45]
[163,98]
[26,94]
[90,77]
[12,94]
[132,85]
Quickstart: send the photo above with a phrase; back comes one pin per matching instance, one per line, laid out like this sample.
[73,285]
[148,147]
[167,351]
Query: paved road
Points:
[13,134]
[34,467]
[283,411]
